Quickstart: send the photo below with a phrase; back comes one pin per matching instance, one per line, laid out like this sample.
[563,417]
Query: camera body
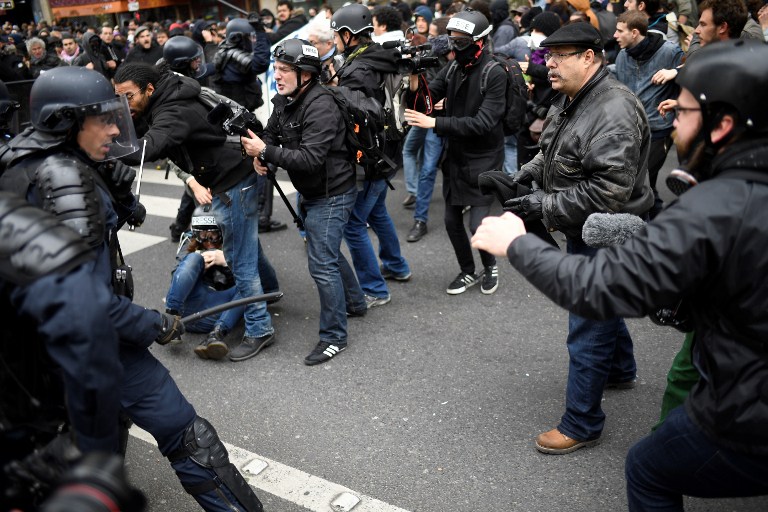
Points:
[235,121]
[414,59]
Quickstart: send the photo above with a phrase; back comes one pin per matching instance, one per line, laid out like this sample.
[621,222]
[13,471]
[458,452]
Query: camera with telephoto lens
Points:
[235,121]
[414,59]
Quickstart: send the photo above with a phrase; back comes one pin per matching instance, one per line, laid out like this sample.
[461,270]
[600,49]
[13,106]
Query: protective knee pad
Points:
[201,443]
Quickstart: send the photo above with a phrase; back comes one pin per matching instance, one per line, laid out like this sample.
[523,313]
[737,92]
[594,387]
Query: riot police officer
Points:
[59,164]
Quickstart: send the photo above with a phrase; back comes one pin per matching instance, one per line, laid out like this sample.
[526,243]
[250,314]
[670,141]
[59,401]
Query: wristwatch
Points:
[262,154]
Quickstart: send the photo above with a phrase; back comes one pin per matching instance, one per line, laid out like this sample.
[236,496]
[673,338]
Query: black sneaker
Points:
[388,274]
[490,280]
[251,346]
[356,314]
[213,347]
[323,352]
[461,283]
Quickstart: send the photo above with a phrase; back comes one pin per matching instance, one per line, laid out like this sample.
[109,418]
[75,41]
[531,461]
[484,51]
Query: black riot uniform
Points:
[54,169]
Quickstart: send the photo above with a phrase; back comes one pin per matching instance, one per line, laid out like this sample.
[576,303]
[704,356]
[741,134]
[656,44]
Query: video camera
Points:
[414,59]
[235,121]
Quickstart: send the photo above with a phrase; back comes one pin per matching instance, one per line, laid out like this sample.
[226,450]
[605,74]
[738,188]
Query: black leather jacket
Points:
[708,248]
[307,138]
[594,156]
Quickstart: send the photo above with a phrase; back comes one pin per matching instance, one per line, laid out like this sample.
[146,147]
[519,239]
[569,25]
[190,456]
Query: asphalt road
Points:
[433,407]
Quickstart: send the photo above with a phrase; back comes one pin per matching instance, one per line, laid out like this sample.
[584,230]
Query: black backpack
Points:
[517,90]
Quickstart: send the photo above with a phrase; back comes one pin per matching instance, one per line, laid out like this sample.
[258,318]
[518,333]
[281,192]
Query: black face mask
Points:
[467,55]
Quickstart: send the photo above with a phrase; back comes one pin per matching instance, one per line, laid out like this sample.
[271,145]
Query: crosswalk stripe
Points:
[293,485]
[133,241]
[158,177]
[161,206]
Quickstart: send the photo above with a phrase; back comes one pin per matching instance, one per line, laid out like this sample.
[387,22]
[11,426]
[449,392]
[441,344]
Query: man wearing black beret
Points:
[593,158]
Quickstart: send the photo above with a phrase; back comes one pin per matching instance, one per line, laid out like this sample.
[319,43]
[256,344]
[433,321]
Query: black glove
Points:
[138,216]
[43,468]
[171,328]
[527,207]
[523,177]
[119,178]
[254,20]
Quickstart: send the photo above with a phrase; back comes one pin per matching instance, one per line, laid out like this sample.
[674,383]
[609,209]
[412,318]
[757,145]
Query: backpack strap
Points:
[484,74]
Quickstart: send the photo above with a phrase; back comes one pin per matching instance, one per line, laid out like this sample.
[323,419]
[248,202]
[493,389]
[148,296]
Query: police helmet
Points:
[7,105]
[64,96]
[180,51]
[239,26]
[470,22]
[298,53]
[741,80]
[354,17]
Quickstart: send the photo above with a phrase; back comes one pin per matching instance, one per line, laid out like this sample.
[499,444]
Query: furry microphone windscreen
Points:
[607,229]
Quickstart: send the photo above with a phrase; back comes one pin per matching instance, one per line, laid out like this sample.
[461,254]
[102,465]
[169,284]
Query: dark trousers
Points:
[656,158]
[679,459]
[457,233]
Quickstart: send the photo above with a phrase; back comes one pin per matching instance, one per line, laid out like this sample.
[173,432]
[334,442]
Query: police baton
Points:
[274,296]
[238,9]
[138,178]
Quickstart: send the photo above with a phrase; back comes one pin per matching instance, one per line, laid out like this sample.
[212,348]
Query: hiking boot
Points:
[372,301]
[417,232]
[213,347]
[388,274]
[250,346]
[490,280]
[461,283]
[555,442]
[323,352]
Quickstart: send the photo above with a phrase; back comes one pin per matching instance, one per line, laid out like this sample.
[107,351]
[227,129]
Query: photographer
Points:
[472,125]
[240,59]
[202,280]
[179,130]
[716,444]
[306,136]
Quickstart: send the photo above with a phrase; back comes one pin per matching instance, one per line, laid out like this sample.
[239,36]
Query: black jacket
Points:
[708,248]
[472,124]
[307,138]
[594,156]
[139,54]
[179,130]
[291,25]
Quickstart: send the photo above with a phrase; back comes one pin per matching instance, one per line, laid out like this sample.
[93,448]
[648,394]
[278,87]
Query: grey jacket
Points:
[593,156]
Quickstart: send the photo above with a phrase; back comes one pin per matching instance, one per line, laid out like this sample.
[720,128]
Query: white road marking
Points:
[160,206]
[133,241]
[294,485]
[158,177]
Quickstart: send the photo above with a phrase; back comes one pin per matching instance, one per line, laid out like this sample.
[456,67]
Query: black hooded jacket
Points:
[179,130]
[707,249]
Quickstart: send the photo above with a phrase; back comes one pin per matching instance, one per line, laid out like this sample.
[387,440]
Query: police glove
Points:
[254,20]
[44,467]
[138,215]
[171,328]
[523,177]
[527,207]
[119,178]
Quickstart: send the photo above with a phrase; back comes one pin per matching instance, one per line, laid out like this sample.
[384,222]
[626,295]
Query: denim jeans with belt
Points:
[324,221]
[239,224]
[188,294]
[680,459]
[600,352]
[370,208]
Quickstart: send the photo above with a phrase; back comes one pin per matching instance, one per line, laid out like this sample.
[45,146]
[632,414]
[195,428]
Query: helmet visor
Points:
[115,117]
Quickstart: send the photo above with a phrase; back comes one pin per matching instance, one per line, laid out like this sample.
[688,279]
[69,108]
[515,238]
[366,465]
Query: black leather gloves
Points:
[118,177]
[171,328]
[138,216]
[527,207]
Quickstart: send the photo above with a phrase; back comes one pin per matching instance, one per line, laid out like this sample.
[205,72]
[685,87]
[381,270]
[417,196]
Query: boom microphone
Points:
[607,229]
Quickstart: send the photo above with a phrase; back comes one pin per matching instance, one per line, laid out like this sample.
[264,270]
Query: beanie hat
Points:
[546,23]
[423,11]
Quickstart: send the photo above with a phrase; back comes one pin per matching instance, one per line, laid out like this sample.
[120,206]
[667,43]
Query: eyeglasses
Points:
[129,95]
[680,110]
[560,57]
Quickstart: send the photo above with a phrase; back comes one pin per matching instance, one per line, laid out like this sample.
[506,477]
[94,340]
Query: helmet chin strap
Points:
[299,84]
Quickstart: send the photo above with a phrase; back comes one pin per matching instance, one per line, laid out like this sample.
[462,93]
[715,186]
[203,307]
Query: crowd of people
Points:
[606,91]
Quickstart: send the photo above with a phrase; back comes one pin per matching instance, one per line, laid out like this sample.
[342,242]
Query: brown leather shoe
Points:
[555,442]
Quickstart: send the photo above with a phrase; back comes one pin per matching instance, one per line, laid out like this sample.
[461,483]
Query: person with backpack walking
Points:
[472,124]
[306,136]
[366,65]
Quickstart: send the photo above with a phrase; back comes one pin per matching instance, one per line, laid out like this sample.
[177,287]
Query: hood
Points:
[174,87]
[384,60]
[499,12]
[86,44]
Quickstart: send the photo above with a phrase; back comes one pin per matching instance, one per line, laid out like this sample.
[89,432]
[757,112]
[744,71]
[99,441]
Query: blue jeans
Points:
[239,223]
[679,459]
[324,220]
[188,294]
[433,148]
[412,151]
[510,155]
[600,351]
[370,207]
